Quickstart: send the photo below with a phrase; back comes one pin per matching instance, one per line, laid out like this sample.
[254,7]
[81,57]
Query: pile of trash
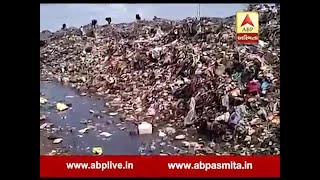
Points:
[269,21]
[190,72]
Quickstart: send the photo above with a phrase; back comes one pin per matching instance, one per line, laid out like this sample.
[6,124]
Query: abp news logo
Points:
[247,27]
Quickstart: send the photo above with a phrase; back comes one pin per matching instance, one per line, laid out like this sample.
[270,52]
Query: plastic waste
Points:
[235,117]
[145,128]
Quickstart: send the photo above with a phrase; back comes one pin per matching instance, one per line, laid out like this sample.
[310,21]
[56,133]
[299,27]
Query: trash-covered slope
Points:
[189,72]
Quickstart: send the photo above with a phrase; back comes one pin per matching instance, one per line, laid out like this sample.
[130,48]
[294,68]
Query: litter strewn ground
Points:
[190,74]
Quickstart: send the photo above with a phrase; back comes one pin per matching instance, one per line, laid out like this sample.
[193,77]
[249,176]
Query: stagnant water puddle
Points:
[121,142]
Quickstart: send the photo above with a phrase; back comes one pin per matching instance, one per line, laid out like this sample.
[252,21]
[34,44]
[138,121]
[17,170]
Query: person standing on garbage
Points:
[154,18]
[138,18]
[94,23]
[82,33]
[108,19]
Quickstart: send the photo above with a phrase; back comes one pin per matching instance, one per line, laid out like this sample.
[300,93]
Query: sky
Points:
[52,16]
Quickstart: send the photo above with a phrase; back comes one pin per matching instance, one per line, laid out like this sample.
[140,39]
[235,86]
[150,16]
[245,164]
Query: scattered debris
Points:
[43,100]
[52,136]
[145,128]
[170,130]
[84,122]
[185,143]
[162,134]
[276,120]
[82,131]
[106,134]
[61,106]
[43,117]
[97,150]
[53,152]
[57,141]
[188,120]
[45,125]
[113,113]
[180,137]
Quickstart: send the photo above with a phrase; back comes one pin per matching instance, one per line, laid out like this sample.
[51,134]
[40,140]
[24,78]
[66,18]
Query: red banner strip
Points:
[159,166]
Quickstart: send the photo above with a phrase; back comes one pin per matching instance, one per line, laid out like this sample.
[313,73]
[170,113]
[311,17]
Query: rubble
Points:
[97,150]
[113,114]
[162,134]
[43,117]
[46,125]
[43,100]
[145,128]
[170,130]
[106,134]
[84,130]
[180,137]
[57,141]
[61,106]
[188,73]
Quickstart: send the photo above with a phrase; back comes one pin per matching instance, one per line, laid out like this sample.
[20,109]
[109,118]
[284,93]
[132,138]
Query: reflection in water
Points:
[119,143]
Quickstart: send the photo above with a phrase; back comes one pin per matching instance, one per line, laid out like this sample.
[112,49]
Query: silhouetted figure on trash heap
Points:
[64,26]
[94,23]
[82,33]
[138,18]
[108,19]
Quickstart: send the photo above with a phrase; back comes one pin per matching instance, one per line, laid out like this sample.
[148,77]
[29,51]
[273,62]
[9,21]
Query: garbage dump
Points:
[191,73]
